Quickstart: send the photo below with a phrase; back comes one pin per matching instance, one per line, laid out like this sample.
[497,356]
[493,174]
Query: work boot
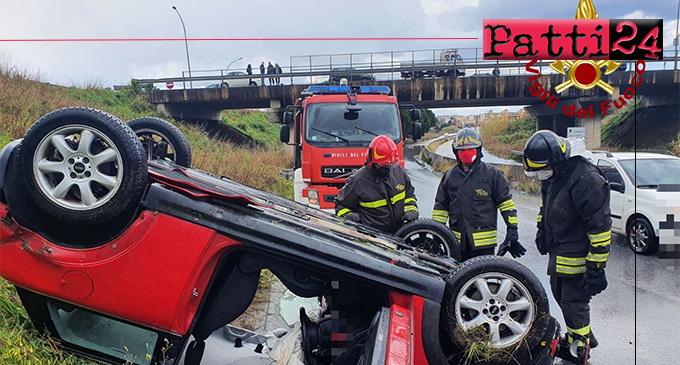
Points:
[593,340]
[564,352]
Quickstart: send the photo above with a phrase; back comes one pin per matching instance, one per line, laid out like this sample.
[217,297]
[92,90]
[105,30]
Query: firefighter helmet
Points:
[382,151]
[467,138]
[545,148]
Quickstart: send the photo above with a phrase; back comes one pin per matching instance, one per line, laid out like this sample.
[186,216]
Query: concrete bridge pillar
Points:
[275,111]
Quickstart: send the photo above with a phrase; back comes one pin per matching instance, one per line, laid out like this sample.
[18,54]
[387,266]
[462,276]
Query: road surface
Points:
[642,296]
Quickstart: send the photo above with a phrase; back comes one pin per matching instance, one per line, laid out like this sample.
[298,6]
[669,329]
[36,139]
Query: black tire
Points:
[641,245]
[428,234]
[168,134]
[462,281]
[128,166]
[252,83]
[224,84]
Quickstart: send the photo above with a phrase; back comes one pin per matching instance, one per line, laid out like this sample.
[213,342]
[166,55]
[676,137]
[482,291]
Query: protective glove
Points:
[594,281]
[540,243]
[512,245]
[411,215]
[354,217]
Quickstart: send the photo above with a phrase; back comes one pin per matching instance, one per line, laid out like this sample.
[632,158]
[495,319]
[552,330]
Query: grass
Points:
[617,119]
[255,125]
[24,99]
[502,134]
[448,129]
[476,347]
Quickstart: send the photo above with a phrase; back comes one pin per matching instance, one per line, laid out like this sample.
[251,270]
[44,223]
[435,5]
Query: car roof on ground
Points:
[634,155]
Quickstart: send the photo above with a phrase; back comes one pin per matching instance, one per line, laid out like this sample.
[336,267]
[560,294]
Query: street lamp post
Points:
[232,62]
[677,37]
[186,45]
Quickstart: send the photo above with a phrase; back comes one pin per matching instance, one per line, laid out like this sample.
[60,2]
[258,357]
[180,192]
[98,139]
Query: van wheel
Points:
[162,140]
[432,237]
[641,238]
[495,302]
[253,83]
[82,166]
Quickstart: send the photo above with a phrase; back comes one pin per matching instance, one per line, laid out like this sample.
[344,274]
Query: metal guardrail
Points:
[392,65]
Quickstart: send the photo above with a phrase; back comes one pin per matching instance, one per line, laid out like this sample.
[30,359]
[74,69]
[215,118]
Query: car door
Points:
[617,199]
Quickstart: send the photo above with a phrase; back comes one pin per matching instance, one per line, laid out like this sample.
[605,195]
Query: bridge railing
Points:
[381,66]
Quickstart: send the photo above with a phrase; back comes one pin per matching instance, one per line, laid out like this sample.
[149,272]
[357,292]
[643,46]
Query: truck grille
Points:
[331,172]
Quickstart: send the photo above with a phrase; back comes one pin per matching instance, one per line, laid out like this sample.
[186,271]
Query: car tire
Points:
[432,237]
[224,85]
[641,237]
[157,135]
[252,83]
[479,293]
[87,181]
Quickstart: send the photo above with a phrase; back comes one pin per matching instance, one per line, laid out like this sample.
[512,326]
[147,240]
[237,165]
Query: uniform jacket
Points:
[381,202]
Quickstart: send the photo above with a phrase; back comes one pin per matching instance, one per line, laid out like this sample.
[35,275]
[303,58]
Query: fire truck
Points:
[332,128]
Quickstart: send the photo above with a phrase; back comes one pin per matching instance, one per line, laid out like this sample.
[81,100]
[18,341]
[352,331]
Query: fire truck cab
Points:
[332,128]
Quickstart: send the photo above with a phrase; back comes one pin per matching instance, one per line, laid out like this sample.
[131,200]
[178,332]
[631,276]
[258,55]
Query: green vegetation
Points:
[617,120]
[255,125]
[502,134]
[427,121]
[23,100]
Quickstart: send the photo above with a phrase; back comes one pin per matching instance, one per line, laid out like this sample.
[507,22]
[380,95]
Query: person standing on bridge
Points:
[380,194]
[278,71]
[574,229]
[270,71]
[469,196]
[262,74]
[249,71]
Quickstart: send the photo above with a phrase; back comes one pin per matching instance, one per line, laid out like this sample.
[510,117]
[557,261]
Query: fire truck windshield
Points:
[355,127]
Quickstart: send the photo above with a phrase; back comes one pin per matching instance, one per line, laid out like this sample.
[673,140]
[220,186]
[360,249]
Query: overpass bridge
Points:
[660,87]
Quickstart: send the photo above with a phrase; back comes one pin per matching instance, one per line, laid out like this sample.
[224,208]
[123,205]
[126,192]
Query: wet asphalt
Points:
[636,319]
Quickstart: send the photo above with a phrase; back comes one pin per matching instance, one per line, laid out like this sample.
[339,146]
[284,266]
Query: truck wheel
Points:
[82,166]
[497,302]
[162,140]
[641,237]
[432,237]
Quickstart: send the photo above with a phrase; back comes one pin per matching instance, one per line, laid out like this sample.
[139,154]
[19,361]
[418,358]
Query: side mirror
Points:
[417,130]
[415,114]
[284,133]
[287,117]
[617,187]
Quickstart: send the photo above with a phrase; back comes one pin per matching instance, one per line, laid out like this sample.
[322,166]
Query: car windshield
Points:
[325,120]
[650,173]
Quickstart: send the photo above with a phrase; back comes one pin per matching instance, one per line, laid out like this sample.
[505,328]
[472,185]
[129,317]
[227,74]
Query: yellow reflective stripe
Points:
[506,205]
[398,197]
[584,331]
[342,212]
[440,219]
[442,213]
[409,200]
[539,218]
[600,236]
[457,234]
[601,243]
[486,234]
[512,219]
[485,242]
[570,261]
[375,204]
[573,270]
[598,257]
[530,163]
[409,208]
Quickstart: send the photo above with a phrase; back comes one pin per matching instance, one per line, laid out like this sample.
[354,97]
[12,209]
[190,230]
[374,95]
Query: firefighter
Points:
[379,194]
[574,229]
[469,196]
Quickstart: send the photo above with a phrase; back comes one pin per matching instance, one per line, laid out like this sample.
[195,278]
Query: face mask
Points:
[384,170]
[545,174]
[467,157]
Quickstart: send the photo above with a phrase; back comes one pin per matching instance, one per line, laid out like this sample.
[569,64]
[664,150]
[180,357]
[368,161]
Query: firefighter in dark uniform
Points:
[469,196]
[574,229]
[379,194]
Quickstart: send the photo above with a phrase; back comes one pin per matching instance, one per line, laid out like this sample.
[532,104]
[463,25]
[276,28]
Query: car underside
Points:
[159,276]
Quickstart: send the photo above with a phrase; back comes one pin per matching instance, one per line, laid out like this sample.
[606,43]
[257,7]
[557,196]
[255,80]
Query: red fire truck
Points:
[333,126]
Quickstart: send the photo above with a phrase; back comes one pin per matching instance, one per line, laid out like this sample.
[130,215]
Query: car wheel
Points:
[224,84]
[641,238]
[162,140]
[498,303]
[430,236]
[82,166]
[253,83]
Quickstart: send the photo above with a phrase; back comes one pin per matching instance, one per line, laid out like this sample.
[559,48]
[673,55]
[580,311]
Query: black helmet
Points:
[545,148]
[467,138]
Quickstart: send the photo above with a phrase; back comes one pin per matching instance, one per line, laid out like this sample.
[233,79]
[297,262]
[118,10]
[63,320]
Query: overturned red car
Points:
[123,253]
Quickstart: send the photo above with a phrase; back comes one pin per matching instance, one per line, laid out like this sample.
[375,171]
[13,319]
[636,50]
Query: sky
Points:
[109,63]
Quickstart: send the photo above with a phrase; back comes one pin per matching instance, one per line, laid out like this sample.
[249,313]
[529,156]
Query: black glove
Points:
[540,243]
[411,215]
[594,281]
[354,217]
[512,245]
